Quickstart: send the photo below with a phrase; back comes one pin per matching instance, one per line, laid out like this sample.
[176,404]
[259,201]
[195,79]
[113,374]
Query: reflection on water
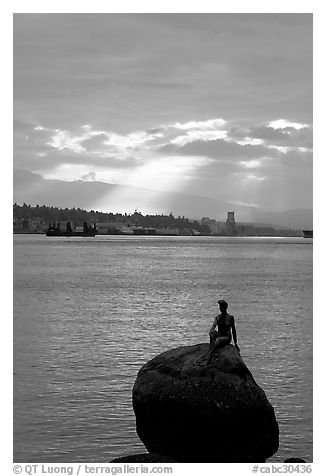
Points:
[89,312]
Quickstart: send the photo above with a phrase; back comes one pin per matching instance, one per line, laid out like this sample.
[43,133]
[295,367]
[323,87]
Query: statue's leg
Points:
[214,346]
[219,342]
[224,341]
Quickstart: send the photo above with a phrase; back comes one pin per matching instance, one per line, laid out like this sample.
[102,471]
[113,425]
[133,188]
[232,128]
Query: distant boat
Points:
[307,233]
[72,233]
[54,230]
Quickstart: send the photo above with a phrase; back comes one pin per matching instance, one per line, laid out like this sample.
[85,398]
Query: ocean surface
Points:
[89,312]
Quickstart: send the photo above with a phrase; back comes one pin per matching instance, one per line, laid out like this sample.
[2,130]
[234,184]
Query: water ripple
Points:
[89,313]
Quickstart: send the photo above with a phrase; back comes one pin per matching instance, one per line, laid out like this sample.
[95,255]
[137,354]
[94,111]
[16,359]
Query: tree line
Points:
[78,215]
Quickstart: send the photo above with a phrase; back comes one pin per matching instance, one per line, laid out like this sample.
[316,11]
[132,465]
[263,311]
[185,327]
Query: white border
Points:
[7,8]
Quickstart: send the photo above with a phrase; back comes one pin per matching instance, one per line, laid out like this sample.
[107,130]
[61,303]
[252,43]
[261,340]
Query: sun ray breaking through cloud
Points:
[167,102]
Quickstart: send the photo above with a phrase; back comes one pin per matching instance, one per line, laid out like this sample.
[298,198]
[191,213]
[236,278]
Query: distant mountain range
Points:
[33,189]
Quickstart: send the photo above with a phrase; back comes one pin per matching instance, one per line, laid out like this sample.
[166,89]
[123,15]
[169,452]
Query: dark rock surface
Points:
[196,412]
[294,460]
[143,458]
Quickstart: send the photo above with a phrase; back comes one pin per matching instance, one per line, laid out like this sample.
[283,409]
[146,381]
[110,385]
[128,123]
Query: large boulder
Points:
[194,411]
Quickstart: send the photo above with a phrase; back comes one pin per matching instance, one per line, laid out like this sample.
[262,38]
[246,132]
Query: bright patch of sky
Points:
[251,164]
[284,124]
[250,141]
[201,125]
[255,178]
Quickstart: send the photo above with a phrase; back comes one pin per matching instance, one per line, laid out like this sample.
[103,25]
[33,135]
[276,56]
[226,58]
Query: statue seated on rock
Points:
[225,325]
[191,412]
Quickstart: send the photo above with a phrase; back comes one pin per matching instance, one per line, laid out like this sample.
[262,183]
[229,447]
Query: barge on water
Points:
[55,230]
[307,233]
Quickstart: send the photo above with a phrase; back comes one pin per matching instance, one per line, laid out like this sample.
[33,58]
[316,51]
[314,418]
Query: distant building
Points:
[213,225]
[230,224]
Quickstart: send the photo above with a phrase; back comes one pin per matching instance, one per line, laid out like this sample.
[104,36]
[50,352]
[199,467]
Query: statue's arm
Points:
[234,334]
[213,325]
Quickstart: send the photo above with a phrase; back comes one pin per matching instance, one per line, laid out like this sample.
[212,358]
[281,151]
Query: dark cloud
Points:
[156,130]
[295,160]
[288,136]
[20,126]
[243,65]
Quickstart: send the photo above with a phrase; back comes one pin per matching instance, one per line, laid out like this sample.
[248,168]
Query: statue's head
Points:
[223,304]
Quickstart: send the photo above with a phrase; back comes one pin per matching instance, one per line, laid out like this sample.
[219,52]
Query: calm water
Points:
[89,312]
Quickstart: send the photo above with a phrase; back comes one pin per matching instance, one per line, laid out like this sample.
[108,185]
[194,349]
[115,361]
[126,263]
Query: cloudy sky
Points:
[214,105]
